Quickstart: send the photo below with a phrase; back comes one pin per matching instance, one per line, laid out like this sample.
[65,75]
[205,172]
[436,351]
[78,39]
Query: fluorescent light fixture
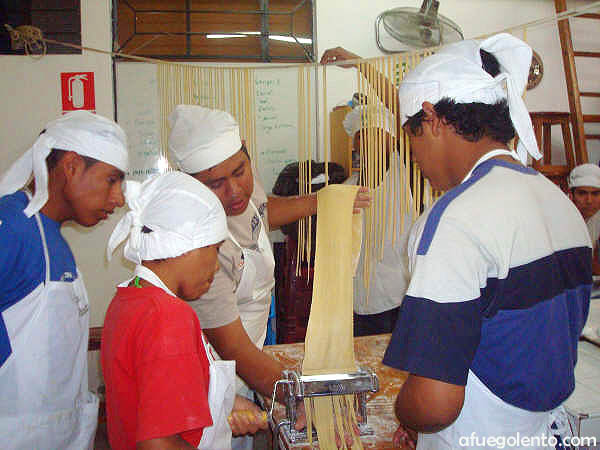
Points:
[224,36]
[290,39]
[242,34]
[237,35]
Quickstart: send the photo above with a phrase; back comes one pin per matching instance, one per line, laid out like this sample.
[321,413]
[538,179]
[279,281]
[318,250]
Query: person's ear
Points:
[428,109]
[72,165]
[432,118]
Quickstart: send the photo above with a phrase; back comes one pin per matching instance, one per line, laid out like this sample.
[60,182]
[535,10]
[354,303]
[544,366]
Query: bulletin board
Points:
[276,112]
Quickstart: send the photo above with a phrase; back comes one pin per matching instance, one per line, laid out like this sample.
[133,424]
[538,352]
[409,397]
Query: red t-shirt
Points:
[155,369]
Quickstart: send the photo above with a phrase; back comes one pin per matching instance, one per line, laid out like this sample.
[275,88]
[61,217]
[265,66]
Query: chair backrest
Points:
[542,125]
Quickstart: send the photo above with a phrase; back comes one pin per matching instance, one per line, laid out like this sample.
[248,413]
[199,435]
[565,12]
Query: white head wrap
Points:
[78,131]
[182,213]
[201,138]
[356,119]
[456,72]
[585,175]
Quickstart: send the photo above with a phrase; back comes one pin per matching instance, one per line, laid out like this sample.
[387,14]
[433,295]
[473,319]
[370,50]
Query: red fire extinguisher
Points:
[77,90]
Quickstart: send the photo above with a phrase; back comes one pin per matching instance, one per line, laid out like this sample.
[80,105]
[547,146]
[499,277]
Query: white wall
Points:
[30,93]
[353,28]
[29,89]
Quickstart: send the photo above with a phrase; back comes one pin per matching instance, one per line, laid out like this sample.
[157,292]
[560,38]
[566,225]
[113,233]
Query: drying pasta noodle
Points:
[377,81]
[228,89]
[305,152]
[329,343]
[232,89]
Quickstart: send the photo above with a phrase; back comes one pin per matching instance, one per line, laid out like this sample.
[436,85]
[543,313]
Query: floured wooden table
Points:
[369,352]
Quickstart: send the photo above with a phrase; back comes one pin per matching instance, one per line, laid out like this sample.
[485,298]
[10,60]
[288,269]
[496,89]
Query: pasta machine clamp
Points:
[297,387]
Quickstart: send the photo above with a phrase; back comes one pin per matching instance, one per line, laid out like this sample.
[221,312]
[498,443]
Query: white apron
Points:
[484,415]
[44,397]
[255,286]
[254,300]
[221,387]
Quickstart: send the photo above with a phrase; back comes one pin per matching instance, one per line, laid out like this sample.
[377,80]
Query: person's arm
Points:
[427,405]
[259,370]
[284,210]
[385,89]
[174,442]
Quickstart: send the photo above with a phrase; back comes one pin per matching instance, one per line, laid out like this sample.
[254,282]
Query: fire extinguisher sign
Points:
[77,90]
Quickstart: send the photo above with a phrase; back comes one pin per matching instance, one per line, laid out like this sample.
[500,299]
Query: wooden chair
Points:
[542,125]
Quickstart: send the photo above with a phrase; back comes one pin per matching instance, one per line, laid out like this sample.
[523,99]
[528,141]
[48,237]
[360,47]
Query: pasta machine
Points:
[297,387]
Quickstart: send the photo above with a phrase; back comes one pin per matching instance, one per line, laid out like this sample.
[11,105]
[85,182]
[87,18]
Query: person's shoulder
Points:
[12,217]
[11,209]
[152,306]
[595,219]
[165,304]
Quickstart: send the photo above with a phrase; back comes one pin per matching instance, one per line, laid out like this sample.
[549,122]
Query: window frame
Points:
[308,50]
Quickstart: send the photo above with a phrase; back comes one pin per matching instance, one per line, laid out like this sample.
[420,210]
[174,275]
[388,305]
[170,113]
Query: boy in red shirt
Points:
[162,389]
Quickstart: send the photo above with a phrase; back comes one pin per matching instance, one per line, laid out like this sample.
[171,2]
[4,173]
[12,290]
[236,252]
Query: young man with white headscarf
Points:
[206,143]
[584,190]
[376,311]
[160,395]
[78,164]
[500,264]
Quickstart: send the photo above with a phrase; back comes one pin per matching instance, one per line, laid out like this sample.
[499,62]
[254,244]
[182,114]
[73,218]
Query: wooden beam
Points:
[564,31]
[594,118]
[587,54]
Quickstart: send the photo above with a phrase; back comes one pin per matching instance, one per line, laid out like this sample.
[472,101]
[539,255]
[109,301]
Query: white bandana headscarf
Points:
[201,138]
[456,72]
[585,175]
[78,131]
[182,213]
[356,119]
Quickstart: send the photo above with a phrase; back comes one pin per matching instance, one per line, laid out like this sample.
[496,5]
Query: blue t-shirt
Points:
[22,262]
[500,286]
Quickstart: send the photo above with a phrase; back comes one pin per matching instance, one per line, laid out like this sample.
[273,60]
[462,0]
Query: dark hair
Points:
[57,154]
[474,120]
[489,63]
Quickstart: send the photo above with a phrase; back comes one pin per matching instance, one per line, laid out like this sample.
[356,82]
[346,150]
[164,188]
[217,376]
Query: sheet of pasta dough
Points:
[329,338]
[329,345]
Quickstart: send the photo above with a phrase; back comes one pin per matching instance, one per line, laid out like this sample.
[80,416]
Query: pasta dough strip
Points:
[329,344]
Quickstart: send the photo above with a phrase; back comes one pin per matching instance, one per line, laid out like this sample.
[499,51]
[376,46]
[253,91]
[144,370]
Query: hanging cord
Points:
[28,38]
[31,38]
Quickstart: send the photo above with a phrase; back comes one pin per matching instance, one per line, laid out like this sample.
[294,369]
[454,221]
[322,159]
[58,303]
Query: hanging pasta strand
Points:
[301,176]
[160,83]
[309,142]
[385,165]
[365,164]
[326,146]
[382,157]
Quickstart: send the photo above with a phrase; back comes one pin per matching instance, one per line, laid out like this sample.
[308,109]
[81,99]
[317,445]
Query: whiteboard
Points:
[276,115]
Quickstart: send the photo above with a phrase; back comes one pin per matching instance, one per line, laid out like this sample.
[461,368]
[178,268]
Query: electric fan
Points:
[417,28]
